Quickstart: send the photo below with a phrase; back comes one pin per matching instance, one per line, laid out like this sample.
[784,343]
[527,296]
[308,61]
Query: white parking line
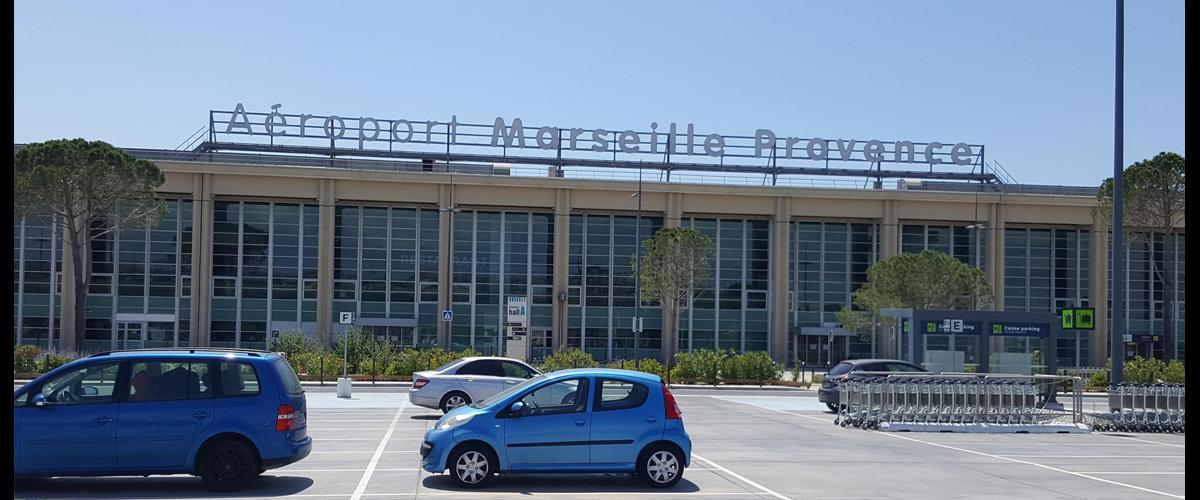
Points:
[741,478]
[557,494]
[1143,440]
[343,470]
[365,451]
[1047,467]
[1091,456]
[1119,473]
[366,477]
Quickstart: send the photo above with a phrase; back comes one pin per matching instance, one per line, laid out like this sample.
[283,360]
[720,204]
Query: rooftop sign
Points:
[511,136]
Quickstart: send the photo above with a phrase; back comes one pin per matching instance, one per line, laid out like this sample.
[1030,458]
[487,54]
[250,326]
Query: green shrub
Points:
[647,365]
[1142,371]
[296,342]
[568,358]
[52,361]
[703,364]
[1173,372]
[757,366]
[363,348]
[1099,379]
[25,358]
[818,378]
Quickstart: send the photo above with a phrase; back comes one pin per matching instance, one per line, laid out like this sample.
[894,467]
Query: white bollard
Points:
[343,387]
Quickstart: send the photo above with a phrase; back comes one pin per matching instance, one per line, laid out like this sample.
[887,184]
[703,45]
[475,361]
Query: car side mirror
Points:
[516,409]
[90,391]
[39,400]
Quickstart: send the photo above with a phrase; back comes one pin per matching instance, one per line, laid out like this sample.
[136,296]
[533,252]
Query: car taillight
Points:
[285,418]
[673,411]
[419,383]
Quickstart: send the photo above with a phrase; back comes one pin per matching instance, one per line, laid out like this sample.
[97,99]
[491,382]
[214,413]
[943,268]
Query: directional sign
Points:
[1068,319]
[447,315]
[1079,318]
[346,318]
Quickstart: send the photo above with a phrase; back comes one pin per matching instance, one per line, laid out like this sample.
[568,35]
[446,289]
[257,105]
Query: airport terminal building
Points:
[281,222]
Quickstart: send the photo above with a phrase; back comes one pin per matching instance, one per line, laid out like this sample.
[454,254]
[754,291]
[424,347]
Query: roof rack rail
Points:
[254,352]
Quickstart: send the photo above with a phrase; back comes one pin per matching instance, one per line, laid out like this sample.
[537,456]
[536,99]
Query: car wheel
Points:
[661,466]
[227,466]
[454,400]
[832,407]
[472,466]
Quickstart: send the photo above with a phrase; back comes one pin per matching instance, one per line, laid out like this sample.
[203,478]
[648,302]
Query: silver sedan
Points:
[463,381]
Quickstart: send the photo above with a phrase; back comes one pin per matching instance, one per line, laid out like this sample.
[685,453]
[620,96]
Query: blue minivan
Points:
[581,420]
[224,415]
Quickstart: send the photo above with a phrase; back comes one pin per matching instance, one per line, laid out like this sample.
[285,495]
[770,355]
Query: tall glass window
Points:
[729,311]
[1146,258]
[37,269]
[247,238]
[602,297]
[1047,270]
[386,271]
[968,245]
[827,263]
[499,255]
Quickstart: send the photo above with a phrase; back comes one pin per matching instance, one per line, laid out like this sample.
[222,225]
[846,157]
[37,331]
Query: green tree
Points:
[674,264]
[926,280]
[91,188]
[1154,204]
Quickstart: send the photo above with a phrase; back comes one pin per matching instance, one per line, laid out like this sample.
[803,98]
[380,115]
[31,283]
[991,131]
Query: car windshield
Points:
[841,369]
[507,392]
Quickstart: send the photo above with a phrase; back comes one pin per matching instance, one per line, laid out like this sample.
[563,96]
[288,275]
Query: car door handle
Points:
[470,380]
[510,381]
[200,415]
[651,420]
[103,420]
[580,422]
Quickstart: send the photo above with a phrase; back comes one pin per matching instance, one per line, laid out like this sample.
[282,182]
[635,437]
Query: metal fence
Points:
[879,400]
[1143,408]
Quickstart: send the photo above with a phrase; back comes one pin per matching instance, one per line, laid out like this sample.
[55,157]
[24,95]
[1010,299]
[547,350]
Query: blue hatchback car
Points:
[582,420]
[223,415]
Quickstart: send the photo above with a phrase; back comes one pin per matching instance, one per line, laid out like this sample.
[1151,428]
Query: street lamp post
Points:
[1116,340]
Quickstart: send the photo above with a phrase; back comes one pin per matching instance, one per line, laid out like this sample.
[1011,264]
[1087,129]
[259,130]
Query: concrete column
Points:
[67,337]
[445,257]
[325,261]
[889,243]
[562,241]
[995,240]
[200,308]
[670,329]
[996,252]
[1098,251]
[778,332]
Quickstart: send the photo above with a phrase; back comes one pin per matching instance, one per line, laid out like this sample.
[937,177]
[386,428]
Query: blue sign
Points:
[1021,329]
[447,315]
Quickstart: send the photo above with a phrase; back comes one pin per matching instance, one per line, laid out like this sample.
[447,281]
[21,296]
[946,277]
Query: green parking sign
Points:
[1085,319]
[997,329]
[1068,319]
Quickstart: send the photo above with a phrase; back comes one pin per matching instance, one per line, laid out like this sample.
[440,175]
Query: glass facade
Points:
[827,263]
[264,271]
[1144,290]
[386,268]
[37,265]
[601,287]
[499,255]
[1047,270]
[729,310]
[968,245]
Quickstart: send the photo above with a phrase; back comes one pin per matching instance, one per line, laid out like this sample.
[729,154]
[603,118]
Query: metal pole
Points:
[1116,336]
[637,279]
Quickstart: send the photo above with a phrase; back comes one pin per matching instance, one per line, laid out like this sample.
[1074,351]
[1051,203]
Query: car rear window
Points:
[287,376]
[841,369]
[238,379]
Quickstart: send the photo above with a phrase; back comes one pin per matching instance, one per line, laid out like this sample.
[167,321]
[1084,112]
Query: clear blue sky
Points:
[1031,80]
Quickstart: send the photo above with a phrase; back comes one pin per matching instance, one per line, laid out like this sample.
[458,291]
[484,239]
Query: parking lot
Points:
[747,444]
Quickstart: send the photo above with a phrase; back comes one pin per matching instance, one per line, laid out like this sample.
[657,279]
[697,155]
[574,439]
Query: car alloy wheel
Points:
[662,467]
[471,467]
[452,402]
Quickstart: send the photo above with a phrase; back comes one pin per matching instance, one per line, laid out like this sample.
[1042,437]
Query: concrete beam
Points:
[200,308]
[562,240]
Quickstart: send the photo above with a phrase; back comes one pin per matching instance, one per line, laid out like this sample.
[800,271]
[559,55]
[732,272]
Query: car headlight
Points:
[455,421]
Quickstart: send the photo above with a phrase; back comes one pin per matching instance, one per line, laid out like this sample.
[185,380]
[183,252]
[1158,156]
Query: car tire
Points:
[227,466]
[832,407]
[453,400]
[472,465]
[661,466]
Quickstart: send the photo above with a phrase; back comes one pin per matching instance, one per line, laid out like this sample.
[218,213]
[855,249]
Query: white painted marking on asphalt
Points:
[365,451]
[342,470]
[523,494]
[366,477]
[1092,456]
[1137,473]
[1142,440]
[743,479]
[1056,469]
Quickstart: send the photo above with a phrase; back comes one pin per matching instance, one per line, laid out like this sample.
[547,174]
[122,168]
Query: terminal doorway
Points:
[140,331]
[821,350]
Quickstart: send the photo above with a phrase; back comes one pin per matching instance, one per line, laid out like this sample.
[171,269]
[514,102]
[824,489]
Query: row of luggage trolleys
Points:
[1156,407]
[868,400]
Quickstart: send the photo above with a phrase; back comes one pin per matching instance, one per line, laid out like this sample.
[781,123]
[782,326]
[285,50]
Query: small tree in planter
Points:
[675,263]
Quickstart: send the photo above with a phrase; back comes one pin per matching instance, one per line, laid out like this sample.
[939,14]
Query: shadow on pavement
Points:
[180,486]
[557,483]
[425,417]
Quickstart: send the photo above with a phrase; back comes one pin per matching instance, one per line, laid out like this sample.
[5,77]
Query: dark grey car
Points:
[828,393]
